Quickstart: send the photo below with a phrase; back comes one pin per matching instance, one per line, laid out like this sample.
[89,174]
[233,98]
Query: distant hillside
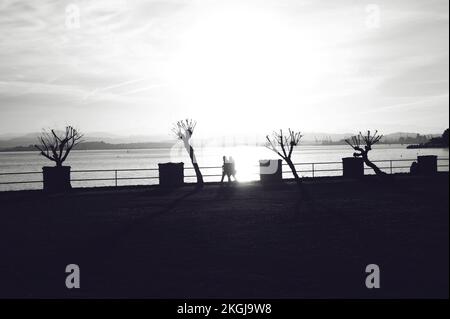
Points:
[394,138]
[105,141]
[436,142]
[32,138]
[98,146]
[27,139]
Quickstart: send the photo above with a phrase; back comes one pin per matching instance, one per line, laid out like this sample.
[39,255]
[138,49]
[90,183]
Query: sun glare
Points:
[246,61]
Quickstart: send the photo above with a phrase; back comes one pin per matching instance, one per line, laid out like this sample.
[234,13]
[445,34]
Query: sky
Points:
[237,67]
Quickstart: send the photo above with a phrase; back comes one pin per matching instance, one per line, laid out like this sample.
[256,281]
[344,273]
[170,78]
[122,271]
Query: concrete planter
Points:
[171,174]
[353,167]
[56,179]
[270,171]
[427,165]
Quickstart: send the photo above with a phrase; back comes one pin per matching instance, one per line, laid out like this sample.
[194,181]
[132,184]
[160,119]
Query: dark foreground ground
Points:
[230,242]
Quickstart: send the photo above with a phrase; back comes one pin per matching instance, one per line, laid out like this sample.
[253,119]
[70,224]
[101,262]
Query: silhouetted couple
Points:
[228,169]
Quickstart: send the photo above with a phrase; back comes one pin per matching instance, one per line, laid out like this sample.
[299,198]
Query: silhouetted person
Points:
[232,168]
[225,169]
[228,169]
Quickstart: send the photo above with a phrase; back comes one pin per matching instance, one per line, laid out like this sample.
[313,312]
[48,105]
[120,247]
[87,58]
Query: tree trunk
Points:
[190,150]
[198,174]
[294,171]
[377,171]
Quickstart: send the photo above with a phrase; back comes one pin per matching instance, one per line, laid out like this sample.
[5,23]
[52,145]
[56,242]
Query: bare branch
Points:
[184,130]
[283,144]
[369,140]
[56,147]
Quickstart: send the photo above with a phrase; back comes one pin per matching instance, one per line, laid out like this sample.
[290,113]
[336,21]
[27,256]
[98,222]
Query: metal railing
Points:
[116,175]
[391,169]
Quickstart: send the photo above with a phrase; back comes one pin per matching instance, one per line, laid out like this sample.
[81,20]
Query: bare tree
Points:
[283,145]
[57,146]
[184,130]
[363,145]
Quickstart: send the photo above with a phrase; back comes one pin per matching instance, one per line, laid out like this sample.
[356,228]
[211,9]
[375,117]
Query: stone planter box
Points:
[353,167]
[171,174]
[56,179]
[270,171]
[427,164]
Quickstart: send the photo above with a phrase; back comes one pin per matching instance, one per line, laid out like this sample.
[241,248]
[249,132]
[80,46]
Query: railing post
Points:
[171,175]
[427,164]
[313,170]
[391,166]
[353,167]
[115,177]
[270,171]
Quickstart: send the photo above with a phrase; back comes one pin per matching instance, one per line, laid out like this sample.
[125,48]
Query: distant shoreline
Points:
[98,146]
[102,146]
[421,146]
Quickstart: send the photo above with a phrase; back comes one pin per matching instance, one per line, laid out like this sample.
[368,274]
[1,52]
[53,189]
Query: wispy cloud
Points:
[131,60]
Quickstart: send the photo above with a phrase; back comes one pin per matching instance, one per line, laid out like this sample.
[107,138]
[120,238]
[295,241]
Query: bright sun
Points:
[246,61]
